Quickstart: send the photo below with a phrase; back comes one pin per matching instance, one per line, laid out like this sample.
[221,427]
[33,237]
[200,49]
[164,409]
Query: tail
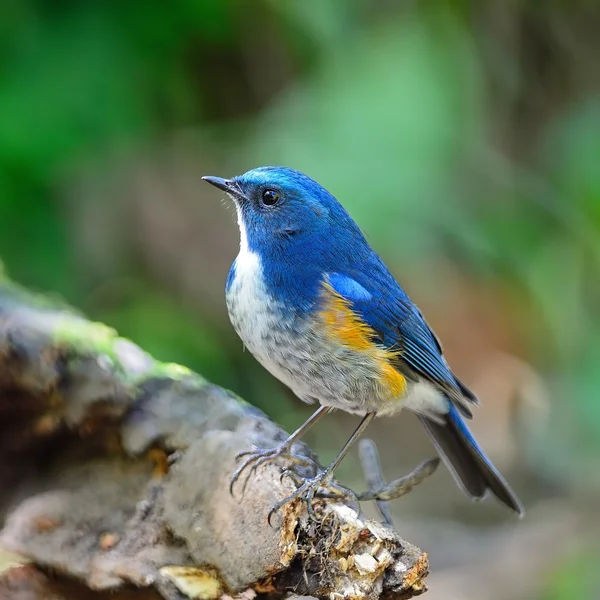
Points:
[471,468]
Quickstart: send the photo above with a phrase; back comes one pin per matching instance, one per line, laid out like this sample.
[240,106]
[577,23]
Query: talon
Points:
[255,458]
[245,453]
[284,473]
[297,479]
[307,493]
[257,463]
[271,513]
[236,476]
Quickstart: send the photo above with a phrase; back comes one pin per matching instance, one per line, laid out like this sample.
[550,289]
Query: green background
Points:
[464,138]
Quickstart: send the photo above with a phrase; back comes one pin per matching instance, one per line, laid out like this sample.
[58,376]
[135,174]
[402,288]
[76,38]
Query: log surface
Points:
[115,473]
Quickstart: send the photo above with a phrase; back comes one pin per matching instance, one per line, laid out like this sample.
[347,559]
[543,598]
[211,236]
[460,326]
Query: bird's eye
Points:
[270,197]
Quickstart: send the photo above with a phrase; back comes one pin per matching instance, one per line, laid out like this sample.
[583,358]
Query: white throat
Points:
[242,226]
[247,263]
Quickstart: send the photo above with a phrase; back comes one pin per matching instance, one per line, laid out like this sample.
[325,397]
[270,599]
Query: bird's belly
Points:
[267,334]
[295,349]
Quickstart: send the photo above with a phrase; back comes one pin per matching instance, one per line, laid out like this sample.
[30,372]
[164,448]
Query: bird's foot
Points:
[257,457]
[320,486]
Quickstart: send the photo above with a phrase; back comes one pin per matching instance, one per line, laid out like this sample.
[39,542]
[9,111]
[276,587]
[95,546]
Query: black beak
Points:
[224,184]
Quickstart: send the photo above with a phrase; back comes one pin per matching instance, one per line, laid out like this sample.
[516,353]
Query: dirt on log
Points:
[114,481]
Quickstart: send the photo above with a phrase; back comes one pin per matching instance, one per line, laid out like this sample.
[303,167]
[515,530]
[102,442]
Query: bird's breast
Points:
[267,329]
[300,348]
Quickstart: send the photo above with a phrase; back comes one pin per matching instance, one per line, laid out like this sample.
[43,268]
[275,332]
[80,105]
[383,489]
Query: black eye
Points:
[270,197]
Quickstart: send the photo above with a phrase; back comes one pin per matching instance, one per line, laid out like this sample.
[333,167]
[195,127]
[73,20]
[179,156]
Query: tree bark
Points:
[115,475]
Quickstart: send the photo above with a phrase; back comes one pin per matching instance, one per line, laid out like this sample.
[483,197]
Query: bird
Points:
[319,310]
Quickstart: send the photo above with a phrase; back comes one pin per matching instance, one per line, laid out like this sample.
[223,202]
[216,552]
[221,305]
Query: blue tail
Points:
[471,468]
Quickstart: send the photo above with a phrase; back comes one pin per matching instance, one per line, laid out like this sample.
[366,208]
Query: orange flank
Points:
[342,323]
[347,328]
[392,379]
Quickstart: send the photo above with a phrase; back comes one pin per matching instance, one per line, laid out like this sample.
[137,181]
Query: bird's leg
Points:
[257,457]
[309,487]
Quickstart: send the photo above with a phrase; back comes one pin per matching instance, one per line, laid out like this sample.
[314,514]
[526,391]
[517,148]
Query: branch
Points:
[116,471]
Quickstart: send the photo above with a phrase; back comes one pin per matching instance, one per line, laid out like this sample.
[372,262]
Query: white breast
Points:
[257,316]
[248,281]
[247,299]
[247,291]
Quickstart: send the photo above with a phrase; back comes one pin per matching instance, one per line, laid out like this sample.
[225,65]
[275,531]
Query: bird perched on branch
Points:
[319,309]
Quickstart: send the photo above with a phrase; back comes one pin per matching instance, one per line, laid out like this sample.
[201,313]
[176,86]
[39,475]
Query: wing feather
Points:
[400,326]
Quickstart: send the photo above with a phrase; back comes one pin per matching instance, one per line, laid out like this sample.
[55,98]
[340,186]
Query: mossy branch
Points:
[115,471]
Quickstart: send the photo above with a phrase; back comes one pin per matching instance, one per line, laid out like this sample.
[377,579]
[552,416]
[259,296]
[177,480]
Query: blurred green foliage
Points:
[455,132]
[576,578]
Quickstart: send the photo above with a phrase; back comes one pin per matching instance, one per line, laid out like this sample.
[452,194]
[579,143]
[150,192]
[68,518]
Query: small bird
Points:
[319,309]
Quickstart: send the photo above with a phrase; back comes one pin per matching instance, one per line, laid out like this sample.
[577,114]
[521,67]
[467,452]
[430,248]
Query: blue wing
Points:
[381,302]
[400,325]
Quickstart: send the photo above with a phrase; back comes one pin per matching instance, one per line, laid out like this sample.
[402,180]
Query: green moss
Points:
[85,335]
[171,371]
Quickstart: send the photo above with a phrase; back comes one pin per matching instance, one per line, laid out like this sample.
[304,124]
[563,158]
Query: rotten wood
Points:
[115,473]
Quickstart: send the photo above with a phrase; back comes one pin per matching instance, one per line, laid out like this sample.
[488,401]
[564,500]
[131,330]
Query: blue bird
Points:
[320,311]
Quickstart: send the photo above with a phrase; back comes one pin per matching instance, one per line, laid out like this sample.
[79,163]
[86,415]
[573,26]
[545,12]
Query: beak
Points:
[224,184]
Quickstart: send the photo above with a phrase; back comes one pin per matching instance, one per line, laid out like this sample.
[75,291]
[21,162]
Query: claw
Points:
[307,493]
[256,458]
[245,453]
[236,476]
[273,510]
[292,475]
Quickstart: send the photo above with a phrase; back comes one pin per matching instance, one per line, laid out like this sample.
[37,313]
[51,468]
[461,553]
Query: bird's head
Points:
[282,210]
